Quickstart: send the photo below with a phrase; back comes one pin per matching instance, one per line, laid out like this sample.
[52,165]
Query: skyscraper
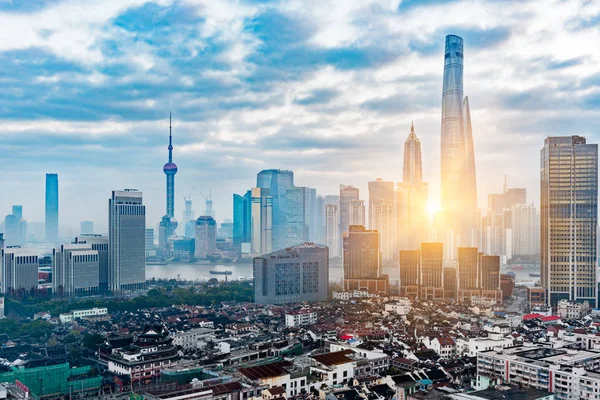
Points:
[188,218]
[525,230]
[277,181]
[362,261]
[206,237]
[357,212]
[459,191]
[413,164]
[127,237]
[242,220]
[411,218]
[432,271]
[347,195]
[569,219]
[332,226]
[261,228]
[52,207]
[381,215]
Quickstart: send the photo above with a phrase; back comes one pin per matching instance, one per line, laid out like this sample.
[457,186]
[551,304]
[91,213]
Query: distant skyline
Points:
[325,89]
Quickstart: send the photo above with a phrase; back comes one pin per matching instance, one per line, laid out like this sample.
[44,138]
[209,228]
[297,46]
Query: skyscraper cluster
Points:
[423,274]
[276,214]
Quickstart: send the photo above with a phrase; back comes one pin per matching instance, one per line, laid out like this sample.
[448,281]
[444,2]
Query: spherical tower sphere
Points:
[170,168]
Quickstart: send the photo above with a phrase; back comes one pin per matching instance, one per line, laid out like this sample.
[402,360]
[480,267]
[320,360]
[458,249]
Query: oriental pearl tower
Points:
[168,223]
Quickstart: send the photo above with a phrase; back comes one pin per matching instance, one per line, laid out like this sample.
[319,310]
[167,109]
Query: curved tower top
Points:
[453,146]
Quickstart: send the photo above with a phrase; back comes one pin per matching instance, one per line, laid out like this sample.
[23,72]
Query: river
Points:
[183,270]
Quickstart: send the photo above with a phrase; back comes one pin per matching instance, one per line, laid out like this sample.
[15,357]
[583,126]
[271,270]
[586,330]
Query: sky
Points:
[327,89]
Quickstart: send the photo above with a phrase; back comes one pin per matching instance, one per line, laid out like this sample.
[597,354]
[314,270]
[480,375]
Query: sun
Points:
[433,207]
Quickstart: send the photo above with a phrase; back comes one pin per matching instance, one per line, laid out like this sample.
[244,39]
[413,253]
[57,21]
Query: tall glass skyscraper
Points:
[569,219]
[52,207]
[278,182]
[459,191]
[127,241]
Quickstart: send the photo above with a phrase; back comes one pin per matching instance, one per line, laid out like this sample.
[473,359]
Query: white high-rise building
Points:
[127,234]
[357,212]
[98,243]
[261,221]
[19,270]
[381,215]
[332,226]
[525,229]
[75,270]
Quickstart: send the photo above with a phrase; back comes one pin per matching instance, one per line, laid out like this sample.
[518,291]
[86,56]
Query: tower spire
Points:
[170,140]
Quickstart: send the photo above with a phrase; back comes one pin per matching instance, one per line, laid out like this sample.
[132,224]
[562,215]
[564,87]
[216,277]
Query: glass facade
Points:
[569,218]
[52,207]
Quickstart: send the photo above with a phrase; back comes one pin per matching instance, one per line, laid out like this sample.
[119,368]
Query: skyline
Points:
[341,116]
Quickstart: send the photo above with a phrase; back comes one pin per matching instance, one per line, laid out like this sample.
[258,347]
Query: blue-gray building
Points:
[242,220]
[278,182]
[52,207]
[291,275]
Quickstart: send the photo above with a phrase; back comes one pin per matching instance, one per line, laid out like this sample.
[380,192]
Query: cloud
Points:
[327,89]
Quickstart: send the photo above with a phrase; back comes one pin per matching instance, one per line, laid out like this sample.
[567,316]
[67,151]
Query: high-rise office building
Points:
[410,272]
[52,207]
[19,270]
[277,182]
[99,243]
[188,218]
[126,245]
[569,219]
[261,228]
[206,237]
[75,270]
[362,261]
[459,190]
[411,197]
[292,275]
[489,274]
[242,221]
[149,241]
[1,240]
[347,195]
[381,215]
[321,221]
[332,223]
[468,268]
[357,212]
[432,271]
[525,230]
[300,215]
[86,227]
[14,230]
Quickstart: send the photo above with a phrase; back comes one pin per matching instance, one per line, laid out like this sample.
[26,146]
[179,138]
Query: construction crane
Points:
[207,200]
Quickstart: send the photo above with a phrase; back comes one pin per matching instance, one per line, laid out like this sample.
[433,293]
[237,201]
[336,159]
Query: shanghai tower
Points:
[459,191]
